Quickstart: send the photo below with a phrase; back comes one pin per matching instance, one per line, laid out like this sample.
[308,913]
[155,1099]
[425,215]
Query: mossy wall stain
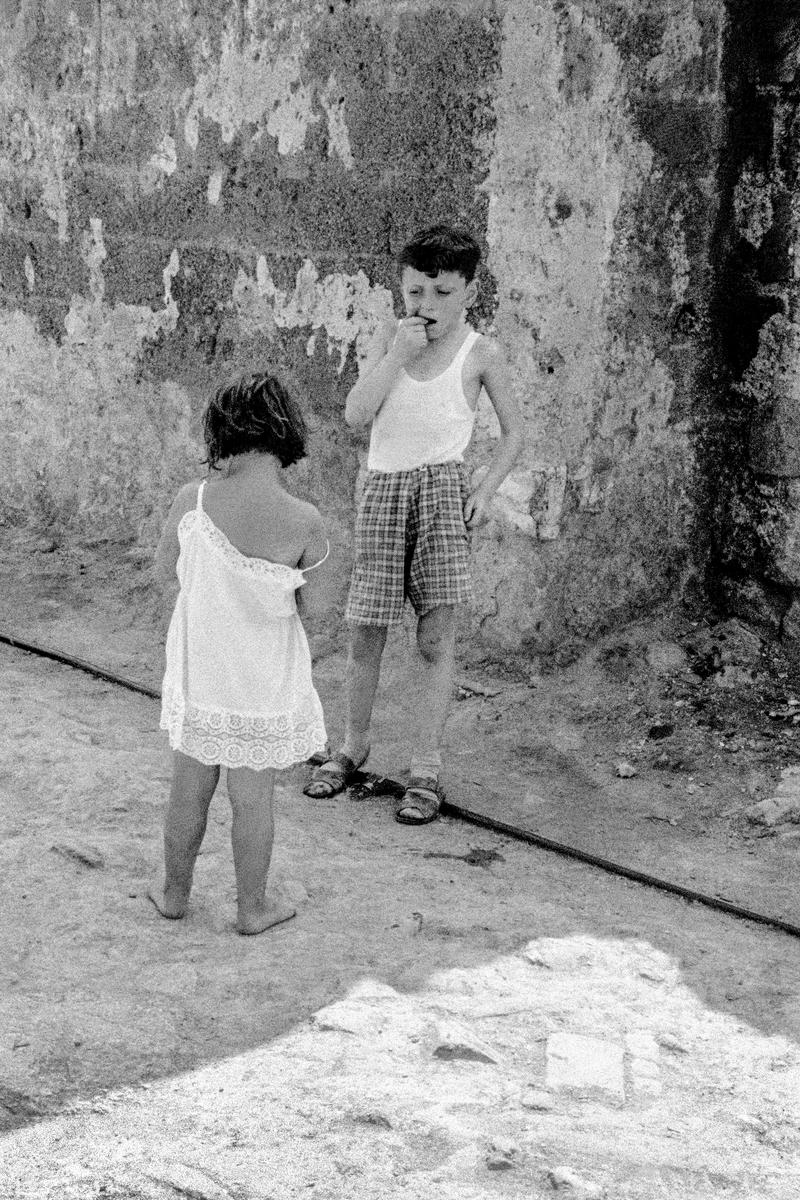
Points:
[192,190]
[755,431]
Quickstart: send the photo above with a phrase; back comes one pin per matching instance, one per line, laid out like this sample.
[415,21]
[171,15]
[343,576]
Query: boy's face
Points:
[441,298]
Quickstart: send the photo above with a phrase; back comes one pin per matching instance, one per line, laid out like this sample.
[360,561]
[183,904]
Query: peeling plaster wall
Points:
[187,191]
[601,217]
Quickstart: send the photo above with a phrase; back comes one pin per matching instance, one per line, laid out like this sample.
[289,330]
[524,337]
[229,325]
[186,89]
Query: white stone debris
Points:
[575,1062]
[455,1041]
[784,806]
[562,1179]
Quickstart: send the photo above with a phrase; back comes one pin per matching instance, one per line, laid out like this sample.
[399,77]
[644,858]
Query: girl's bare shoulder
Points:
[307,527]
[185,500]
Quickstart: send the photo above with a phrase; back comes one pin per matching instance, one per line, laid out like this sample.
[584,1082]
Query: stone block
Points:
[773,382]
[757,603]
[784,542]
[576,1062]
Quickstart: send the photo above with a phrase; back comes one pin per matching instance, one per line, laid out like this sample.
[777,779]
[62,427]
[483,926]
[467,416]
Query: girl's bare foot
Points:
[171,902]
[264,916]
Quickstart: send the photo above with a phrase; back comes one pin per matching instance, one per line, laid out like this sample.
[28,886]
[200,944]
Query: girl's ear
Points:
[471,293]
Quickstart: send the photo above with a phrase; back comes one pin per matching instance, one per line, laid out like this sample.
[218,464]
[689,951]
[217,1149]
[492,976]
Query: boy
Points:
[419,389]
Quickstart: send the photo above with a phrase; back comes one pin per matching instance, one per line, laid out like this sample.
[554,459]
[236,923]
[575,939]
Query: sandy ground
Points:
[451,1013]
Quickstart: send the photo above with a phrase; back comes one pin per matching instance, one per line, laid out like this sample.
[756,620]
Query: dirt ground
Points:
[452,1013]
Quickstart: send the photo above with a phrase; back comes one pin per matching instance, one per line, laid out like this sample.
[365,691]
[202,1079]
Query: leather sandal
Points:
[423,796]
[335,775]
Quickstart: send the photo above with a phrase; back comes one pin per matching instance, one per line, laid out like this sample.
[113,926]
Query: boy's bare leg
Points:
[367,643]
[193,785]
[433,671]
[363,670]
[252,832]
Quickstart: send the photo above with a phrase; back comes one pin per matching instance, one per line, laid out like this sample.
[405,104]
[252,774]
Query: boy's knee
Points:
[367,641]
[435,636]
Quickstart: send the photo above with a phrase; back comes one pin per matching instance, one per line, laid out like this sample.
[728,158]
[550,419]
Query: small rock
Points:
[376,1119]
[626,770]
[45,545]
[669,1042]
[502,1156]
[562,1179]
[480,857]
[412,924]
[537,1100]
[456,1042]
[653,974]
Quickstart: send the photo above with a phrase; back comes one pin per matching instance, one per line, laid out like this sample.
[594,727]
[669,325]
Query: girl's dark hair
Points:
[441,248]
[255,413]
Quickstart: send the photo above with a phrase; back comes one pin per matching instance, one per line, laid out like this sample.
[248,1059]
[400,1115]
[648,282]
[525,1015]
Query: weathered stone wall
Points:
[757,419]
[189,190]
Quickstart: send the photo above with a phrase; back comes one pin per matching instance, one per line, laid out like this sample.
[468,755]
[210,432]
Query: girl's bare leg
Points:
[193,785]
[252,833]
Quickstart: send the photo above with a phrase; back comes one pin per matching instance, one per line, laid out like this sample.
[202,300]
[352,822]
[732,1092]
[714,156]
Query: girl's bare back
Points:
[256,514]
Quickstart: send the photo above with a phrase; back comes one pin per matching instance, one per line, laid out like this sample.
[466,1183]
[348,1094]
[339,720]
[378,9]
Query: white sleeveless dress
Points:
[237,690]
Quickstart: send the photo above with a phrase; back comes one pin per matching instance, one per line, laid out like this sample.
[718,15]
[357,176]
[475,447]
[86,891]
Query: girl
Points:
[237,691]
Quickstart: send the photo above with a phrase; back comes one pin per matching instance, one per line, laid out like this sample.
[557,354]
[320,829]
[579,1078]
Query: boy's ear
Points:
[471,293]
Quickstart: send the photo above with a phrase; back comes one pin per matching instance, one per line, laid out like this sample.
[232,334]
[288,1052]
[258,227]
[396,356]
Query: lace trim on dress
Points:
[218,738]
[242,563]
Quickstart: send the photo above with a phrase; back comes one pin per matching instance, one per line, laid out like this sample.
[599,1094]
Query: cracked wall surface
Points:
[188,191]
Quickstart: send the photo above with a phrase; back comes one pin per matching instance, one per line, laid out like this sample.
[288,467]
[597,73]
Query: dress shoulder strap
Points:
[322,560]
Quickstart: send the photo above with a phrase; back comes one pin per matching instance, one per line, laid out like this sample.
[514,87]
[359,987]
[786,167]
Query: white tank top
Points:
[423,422]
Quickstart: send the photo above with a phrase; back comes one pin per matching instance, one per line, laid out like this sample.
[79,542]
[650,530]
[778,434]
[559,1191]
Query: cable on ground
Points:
[377,785]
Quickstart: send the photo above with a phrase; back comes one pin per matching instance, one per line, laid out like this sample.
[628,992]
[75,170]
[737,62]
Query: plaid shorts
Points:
[411,541]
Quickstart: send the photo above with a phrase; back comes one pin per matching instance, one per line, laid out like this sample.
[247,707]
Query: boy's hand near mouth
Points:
[409,340]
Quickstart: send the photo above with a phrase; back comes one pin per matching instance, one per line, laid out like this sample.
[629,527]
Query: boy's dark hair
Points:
[254,413]
[441,248]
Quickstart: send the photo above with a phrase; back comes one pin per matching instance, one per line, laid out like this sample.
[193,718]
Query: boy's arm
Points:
[168,549]
[396,348]
[495,379]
